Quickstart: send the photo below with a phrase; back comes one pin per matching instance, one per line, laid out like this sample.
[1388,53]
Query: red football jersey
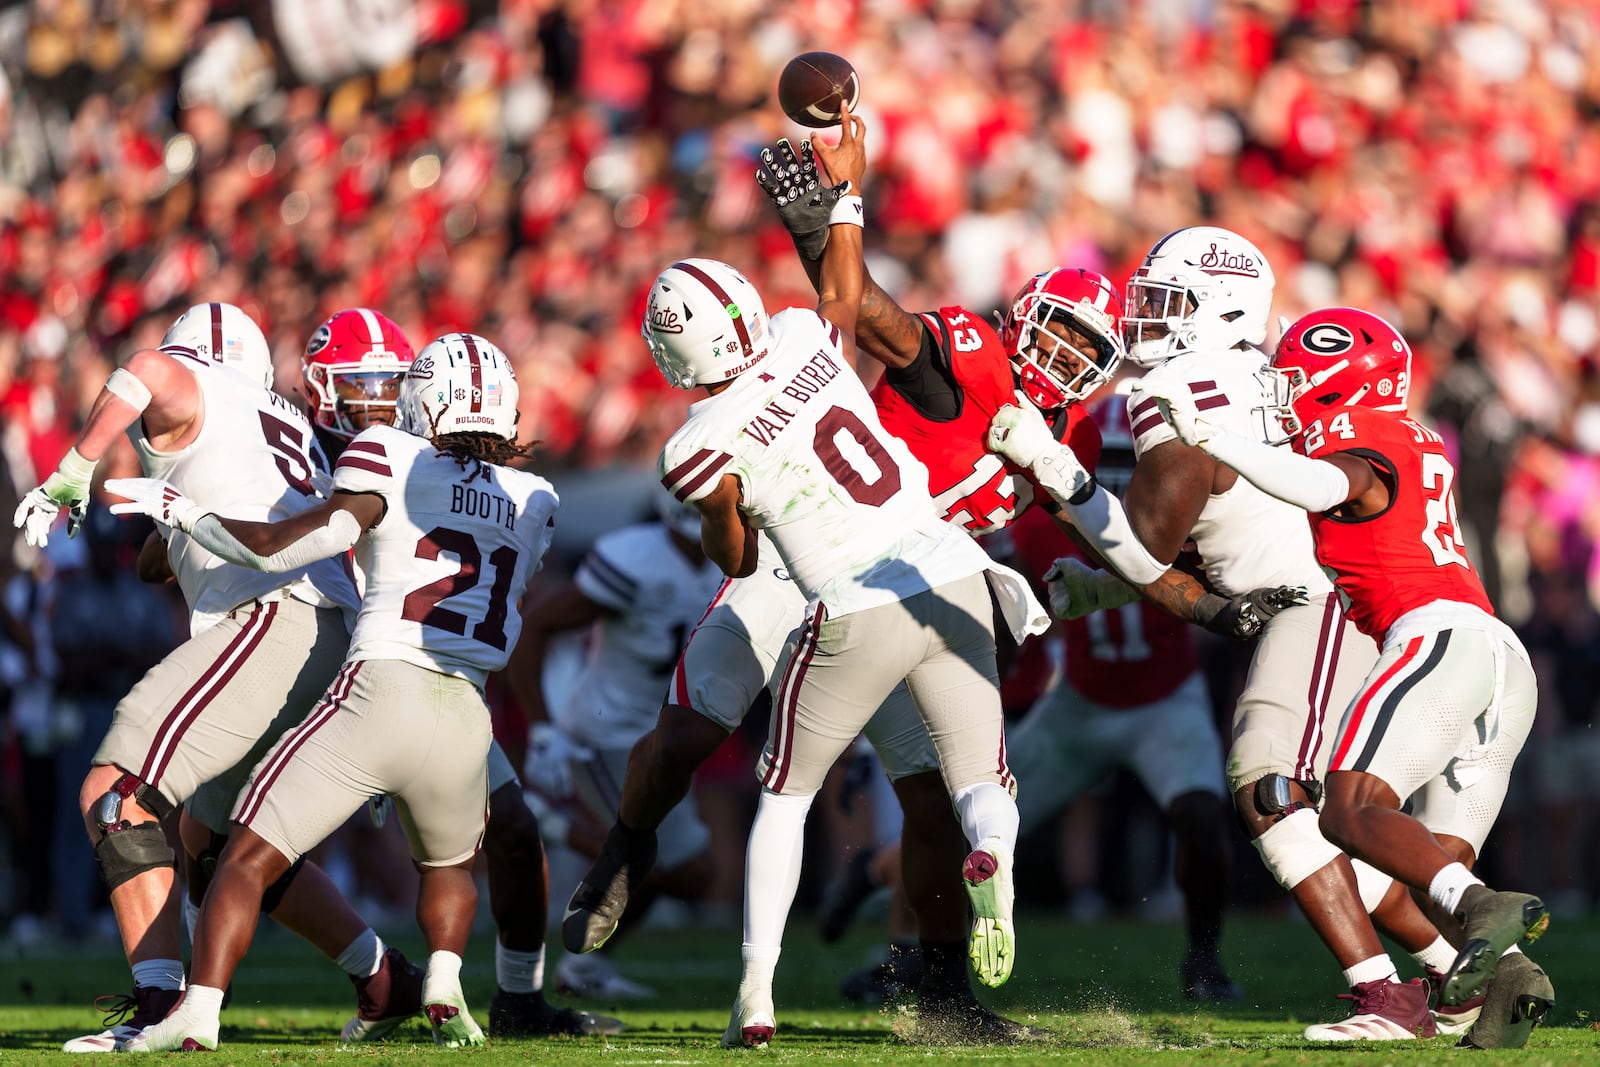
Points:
[1125,657]
[977,489]
[1411,553]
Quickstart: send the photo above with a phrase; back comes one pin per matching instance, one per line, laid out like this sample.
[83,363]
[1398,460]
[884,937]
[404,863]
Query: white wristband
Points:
[847,211]
[126,386]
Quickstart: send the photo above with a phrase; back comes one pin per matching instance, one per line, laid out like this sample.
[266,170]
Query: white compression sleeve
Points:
[337,536]
[1103,522]
[1299,480]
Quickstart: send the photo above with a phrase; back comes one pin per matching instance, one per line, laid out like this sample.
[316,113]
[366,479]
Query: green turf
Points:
[1107,993]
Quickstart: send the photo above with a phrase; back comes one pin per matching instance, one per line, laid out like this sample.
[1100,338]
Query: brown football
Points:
[812,86]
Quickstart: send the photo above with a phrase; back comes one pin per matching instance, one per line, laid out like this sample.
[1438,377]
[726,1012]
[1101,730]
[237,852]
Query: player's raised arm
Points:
[884,330]
[840,275]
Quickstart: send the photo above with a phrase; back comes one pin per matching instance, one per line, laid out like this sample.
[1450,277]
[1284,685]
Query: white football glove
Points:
[1177,408]
[67,487]
[551,754]
[1077,589]
[1019,433]
[158,499]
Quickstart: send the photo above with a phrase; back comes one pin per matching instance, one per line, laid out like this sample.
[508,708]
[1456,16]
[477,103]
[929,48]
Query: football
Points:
[813,85]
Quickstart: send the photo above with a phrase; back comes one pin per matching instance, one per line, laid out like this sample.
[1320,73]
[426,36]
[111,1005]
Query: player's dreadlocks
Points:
[484,448]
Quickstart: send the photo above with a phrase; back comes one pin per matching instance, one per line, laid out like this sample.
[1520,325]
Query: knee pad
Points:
[126,853]
[1372,883]
[274,894]
[1294,849]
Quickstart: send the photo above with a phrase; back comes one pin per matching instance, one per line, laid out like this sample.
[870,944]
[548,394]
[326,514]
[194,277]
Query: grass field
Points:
[1107,993]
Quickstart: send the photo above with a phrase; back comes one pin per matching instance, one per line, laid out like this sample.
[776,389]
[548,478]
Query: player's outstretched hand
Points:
[551,754]
[845,162]
[1241,617]
[1177,408]
[803,203]
[39,508]
[158,499]
[1019,433]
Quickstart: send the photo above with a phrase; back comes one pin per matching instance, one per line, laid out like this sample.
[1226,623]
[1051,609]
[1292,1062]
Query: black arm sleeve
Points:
[928,382]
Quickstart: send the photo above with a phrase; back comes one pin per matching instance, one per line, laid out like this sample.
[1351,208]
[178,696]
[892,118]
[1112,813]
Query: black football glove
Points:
[804,204]
[1241,617]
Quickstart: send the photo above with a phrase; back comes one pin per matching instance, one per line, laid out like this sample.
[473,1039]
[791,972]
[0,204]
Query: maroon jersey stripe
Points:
[685,467]
[361,464]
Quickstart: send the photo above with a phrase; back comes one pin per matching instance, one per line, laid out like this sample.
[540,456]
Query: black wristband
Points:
[1208,607]
[1083,496]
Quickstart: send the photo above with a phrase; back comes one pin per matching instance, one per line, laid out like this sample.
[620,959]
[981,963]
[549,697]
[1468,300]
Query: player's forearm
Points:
[1099,518]
[1177,593]
[842,272]
[1307,483]
[276,547]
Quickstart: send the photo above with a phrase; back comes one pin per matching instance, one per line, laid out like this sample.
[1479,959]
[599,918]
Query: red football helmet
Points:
[1339,357]
[352,367]
[1063,335]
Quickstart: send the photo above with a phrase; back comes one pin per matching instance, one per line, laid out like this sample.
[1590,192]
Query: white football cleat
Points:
[753,1022]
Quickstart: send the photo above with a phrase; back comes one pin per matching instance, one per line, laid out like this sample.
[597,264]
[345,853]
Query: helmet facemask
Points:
[1058,357]
[1158,322]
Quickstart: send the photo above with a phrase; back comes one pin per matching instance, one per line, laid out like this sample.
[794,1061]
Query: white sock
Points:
[158,974]
[363,956]
[203,1004]
[191,915]
[760,965]
[518,972]
[199,1016]
[772,870]
[442,983]
[987,812]
[1452,880]
[1377,969]
[1437,956]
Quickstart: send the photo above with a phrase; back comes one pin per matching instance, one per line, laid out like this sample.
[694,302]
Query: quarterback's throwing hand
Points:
[158,499]
[1177,408]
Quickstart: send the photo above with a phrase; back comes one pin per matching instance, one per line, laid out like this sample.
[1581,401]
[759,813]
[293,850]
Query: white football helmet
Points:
[459,383]
[682,519]
[704,323]
[1200,288]
[223,334]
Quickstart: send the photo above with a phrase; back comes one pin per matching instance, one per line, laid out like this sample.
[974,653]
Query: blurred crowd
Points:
[523,168]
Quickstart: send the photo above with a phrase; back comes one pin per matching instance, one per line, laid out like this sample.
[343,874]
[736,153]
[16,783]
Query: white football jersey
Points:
[655,595]
[844,501]
[447,564]
[255,458]
[1247,539]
